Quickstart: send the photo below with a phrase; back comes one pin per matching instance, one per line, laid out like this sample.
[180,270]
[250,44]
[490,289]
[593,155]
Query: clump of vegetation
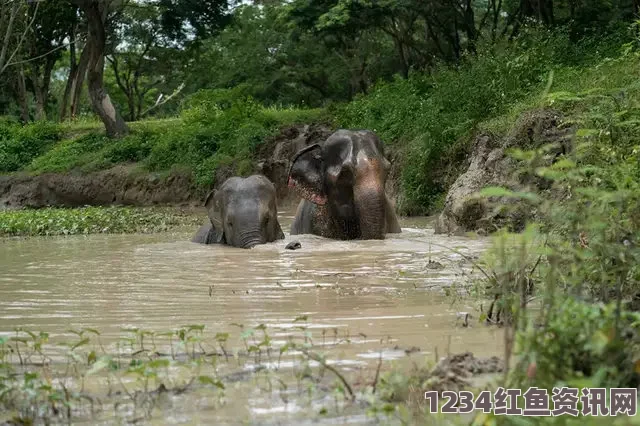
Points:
[216,128]
[220,127]
[91,220]
[34,386]
[568,287]
[431,119]
[19,145]
[46,381]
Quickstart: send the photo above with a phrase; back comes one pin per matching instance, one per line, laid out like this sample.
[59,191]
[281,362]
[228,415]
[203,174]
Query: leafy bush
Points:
[70,153]
[219,128]
[429,118]
[216,128]
[133,148]
[579,265]
[20,144]
[579,342]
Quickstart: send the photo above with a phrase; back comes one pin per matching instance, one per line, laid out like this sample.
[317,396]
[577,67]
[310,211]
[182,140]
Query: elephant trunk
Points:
[370,203]
[251,238]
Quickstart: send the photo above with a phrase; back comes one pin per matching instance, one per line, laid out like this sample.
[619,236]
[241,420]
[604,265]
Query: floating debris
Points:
[432,264]
[293,245]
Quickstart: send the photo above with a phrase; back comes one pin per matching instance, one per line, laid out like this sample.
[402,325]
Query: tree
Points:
[189,20]
[75,34]
[356,44]
[420,31]
[16,20]
[96,13]
[144,60]
[46,41]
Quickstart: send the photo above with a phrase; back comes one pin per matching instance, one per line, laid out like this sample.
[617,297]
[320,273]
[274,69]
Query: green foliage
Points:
[220,128]
[89,220]
[581,345]
[578,265]
[20,144]
[430,118]
[217,128]
[133,148]
[69,154]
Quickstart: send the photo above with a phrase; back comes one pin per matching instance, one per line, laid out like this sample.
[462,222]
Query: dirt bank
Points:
[122,184]
[490,164]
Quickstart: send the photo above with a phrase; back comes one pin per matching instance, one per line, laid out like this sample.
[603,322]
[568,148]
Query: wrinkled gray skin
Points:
[242,213]
[342,183]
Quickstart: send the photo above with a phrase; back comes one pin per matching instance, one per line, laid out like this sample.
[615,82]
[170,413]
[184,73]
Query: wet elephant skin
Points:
[342,181]
[242,213]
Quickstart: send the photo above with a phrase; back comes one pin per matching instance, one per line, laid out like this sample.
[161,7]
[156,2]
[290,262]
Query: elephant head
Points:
[243,212]
[345,178]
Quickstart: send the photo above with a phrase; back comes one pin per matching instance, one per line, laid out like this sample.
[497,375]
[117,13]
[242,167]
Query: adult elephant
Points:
[342,181]
[242,213]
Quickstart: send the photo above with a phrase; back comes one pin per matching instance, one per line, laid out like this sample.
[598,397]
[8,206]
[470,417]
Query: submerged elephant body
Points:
[242,213]
[342,183]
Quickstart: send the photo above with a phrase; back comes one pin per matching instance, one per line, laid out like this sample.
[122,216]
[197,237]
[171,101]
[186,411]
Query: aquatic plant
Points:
[92,220]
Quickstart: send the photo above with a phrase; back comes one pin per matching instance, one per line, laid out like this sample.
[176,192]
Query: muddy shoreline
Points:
[121,185]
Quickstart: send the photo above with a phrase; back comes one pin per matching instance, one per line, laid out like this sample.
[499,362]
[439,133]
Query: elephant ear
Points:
[306,174]
[214,211]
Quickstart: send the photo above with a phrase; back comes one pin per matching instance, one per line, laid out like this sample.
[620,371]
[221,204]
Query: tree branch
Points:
[167,99]
[55,49]
[24,35]
[114,65]
[7,36]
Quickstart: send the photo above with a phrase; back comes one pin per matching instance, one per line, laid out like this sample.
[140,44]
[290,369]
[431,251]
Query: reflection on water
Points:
[372,290]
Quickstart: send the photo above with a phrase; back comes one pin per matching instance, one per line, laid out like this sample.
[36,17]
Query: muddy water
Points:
[384,296]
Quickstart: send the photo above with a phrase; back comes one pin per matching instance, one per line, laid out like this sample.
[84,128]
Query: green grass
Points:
[215,129]
[91,220]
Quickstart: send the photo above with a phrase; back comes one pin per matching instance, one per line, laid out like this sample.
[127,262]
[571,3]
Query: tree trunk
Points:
[41,114]
[496,15]
[540,9]
[404,66]
[73,70]
[78,80]
[470,26]
[126,87]
[100,100]
[132,107]
[22,96]
[6,40]
[40,83]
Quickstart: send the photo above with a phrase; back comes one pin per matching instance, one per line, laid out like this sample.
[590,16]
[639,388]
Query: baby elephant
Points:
[242,213]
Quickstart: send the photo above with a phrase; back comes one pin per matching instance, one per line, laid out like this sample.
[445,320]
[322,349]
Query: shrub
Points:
[132,148]
[427,116]
[579,264]
[69,154]
[20,144]
[580,341]
[219,128]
